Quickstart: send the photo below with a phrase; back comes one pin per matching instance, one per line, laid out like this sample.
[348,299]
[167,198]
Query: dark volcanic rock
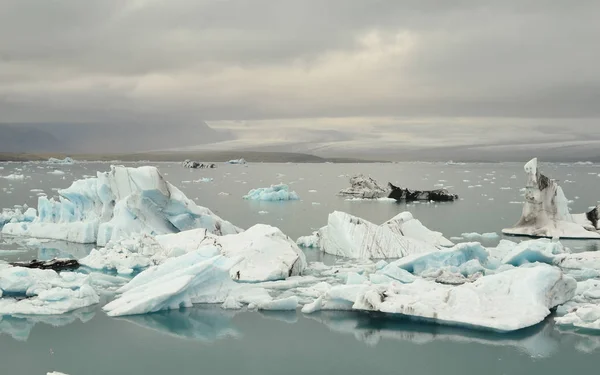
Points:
[438,195]
[54,264]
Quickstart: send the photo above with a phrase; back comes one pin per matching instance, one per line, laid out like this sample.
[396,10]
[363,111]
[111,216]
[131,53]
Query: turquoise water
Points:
[209,340]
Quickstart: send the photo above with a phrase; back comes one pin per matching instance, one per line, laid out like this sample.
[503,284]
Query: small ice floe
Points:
[57,172]
[474,236]
[279,192]
[263,212]
[13,176]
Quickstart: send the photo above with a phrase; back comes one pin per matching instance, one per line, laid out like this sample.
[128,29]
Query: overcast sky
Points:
[354,67]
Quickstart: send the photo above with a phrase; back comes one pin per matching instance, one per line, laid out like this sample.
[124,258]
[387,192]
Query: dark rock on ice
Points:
[53,264]
[438,195]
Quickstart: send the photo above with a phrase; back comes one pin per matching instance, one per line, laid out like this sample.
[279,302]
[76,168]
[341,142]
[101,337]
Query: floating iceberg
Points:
[115,204]
[66,160]
[352,237]
[363,187]
[507,301]
[13,176]
[197,165]
[279,192]
[263,252]
[179,282]
[438,195]
[458,256]
[26,291]
[585,316]
[546,211]
[17,216]
[237,161]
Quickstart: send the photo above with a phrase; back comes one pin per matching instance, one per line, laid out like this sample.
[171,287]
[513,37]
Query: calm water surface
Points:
[209,340]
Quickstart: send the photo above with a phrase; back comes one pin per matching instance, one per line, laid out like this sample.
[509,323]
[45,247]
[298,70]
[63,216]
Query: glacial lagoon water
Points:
[207,339]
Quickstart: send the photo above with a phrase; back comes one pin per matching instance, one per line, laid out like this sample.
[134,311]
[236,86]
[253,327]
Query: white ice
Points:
[546,210]
[43,292]
[115,204]
[279,192]
[507,301]
[352,237]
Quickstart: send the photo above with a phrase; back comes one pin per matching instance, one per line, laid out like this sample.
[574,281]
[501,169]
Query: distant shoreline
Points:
[201,156]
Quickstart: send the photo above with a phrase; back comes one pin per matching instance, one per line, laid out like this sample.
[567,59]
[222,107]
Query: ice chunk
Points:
[364,187]
[115,204]
[289,303]
[264,253]
[455,257]
[542,250]
[546,211]
[13,177]
[66,160]
[492,236]
[507,301]
[179,282]
[406,225]
[17,216]
[57,172]
[46,292]
[585,316]
[279,192]
[237,161]
[352,237]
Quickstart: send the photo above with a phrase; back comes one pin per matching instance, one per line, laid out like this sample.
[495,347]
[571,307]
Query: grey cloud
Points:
[113,60]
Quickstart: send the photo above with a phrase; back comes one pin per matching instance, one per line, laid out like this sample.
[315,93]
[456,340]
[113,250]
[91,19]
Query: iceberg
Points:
[263,253]
[17,216]
[437,195]
[179,282]
[542,250]
[66,160]
[352,237]
[13,176]
[546,211]
[116,204]
[503,302]
[363,187]
[279,192]
[458,256]
[236,161]
[584,316]
[197,165]
[26,291]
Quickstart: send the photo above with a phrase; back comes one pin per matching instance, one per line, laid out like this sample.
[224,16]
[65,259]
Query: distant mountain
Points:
[103,138]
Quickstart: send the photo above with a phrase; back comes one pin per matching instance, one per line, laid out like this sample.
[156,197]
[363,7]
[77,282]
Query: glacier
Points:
[352,237]
[115,204]
[280,192]
[546,211]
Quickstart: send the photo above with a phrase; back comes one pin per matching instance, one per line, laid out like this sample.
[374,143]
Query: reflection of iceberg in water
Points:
[289,317]
[19,327]
[538,341]
[202,323]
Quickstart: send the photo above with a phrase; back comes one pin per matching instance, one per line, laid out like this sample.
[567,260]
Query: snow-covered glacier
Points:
[546,211]
[115,204]
[353,237]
